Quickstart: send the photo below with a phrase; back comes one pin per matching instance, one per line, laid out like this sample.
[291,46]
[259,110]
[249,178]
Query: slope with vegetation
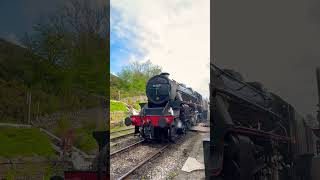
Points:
[131,80]
[61,66]
[129,83]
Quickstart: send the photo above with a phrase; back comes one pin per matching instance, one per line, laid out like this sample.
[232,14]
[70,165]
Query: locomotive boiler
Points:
[254,133]
[171,109]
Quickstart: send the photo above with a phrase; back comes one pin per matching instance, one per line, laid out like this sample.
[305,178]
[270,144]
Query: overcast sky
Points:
[18,17]
[174,34]
[274,42]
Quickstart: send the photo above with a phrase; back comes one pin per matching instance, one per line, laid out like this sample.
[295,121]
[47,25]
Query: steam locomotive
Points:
[171,109]
[255,134]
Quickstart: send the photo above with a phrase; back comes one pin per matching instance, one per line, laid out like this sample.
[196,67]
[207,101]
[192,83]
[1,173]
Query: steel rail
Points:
[149,158]
[126,148]
[143,162]
[121,130]
[119,137]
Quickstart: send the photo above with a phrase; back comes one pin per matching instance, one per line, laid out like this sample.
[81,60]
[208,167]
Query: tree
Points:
[136,74]
[74,39]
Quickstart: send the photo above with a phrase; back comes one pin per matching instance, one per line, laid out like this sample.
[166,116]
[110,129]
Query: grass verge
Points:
[24,142]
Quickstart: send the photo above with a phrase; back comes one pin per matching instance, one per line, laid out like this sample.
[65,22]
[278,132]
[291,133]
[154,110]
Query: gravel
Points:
[125,161]
[123,142]
[168,165]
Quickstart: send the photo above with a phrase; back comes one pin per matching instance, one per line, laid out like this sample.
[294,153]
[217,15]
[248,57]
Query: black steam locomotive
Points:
[171,109]
[255,134]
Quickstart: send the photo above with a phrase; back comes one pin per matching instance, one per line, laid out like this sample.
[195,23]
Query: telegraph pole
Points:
[29,106]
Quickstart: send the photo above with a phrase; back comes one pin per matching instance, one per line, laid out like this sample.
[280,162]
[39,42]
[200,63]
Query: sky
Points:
[18,17]
[174,34]
[274,42]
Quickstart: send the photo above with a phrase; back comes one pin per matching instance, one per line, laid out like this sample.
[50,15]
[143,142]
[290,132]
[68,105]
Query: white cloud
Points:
[174,34]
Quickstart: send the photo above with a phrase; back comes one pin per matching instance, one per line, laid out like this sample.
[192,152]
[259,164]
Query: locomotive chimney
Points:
[165,74]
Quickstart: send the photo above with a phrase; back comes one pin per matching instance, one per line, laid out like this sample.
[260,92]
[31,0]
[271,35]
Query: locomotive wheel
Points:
[172,134]
[184,130]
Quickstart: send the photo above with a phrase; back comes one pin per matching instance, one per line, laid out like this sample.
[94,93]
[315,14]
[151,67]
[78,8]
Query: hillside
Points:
[53,87]
[118,84]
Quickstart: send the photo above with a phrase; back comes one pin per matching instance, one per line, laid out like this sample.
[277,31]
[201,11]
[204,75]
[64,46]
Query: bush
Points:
[117,106]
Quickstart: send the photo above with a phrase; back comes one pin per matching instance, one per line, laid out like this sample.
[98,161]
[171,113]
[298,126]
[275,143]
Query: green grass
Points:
[24,142]
[117,106]
[83,135]
[84,140]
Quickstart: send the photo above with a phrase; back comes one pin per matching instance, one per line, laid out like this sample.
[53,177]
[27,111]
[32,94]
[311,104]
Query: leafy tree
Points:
[61,62]
[74,40]
[132,79]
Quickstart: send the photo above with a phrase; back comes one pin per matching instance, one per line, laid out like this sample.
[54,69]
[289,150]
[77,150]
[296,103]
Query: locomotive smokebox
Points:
[159,89]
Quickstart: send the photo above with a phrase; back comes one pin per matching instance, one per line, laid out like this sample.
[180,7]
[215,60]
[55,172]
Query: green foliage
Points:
[59,64]
[84,140]
[136,105]
[10,175]
[131,81]
[117,106]
[24,142]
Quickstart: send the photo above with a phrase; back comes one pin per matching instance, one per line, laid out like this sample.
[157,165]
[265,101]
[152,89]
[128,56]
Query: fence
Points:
[129,100]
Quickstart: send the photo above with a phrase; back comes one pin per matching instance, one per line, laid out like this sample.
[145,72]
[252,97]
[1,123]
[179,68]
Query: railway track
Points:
[120,134]
[122,130]
[150,158]
[127,160]
[126,148]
